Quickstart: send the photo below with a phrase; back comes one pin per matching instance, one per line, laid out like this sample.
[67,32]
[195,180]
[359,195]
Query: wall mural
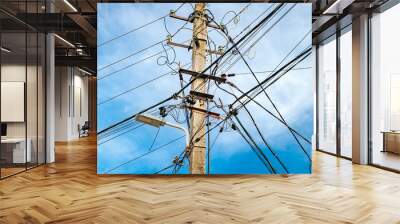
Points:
[204,88]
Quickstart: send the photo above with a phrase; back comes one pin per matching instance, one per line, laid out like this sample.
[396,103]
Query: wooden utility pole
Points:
[199,43]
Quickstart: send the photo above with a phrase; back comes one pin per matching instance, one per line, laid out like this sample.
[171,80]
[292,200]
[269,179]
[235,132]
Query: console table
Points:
[391,141]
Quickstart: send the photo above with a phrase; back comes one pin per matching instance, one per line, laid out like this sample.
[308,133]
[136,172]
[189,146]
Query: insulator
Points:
[169,38]
[191,101]
[236,19]
[233,126]
[234,112]
[163,111]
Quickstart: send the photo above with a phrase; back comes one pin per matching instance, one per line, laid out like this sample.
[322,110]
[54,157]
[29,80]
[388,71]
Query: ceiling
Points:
[76,21]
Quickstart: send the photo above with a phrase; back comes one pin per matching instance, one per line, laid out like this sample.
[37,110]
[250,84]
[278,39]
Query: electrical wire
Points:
[129,130]
[154,139]
[270,100]
[241,39]
[235,46]
[270,16]
[261,36]
[166,168]
[256,126]
[259,132]
[295,61]
[270,71]
[137,28]
[244,39]
[210,146]
[144,154]
[285,123]
[273,115]
[142,50]
[130,55]
[255,147]
[128,66]
[134,88]
[189,83]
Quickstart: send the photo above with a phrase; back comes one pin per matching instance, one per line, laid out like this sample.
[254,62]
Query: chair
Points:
[84,130]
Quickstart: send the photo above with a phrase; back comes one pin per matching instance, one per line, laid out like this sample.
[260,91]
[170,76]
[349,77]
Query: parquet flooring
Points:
[70,191]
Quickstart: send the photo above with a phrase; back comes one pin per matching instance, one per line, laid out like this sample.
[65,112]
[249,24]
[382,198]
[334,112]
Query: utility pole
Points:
[199,43]
[197,151]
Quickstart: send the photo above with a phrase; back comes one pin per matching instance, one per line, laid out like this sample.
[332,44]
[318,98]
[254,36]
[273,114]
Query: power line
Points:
[121,127]
[129,130]
[145,154]
[271,16]
[105,130]
[255,124]
[297,59]
[252,98]
[285,123]
[273,115]
[274,78]
[191,81]
[250,140]
[244,39]
[166,168]
[264,20]
[258,131]
[133,30]
[171,165]
[293,49]
[270,100]
[154,139]
[135,63]
[210,146]
[255,148]
[287,55]
[137,28]
[262,35]
[265,141]
[186,153]
[144,49]
[270,71]
[130,55]
[129,65]
[136,87]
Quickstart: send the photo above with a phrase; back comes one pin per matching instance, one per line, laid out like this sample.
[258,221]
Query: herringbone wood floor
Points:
[70,191]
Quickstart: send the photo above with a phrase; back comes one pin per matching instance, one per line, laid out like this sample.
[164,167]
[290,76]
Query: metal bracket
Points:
[202,75]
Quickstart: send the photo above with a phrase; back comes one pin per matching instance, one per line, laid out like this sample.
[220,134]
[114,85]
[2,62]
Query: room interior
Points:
[22,101]
[48,92]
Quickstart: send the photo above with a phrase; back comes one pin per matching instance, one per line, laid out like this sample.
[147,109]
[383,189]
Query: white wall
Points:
[17,73]
[71,102]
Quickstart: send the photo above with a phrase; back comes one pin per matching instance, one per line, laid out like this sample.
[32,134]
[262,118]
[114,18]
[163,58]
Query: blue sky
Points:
[230,155]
